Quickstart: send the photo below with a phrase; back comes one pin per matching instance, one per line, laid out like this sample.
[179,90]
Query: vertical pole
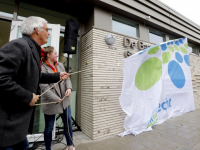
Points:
[67,63]
[15,13]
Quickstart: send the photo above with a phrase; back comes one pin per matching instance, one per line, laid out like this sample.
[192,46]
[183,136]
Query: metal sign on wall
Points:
[133,44]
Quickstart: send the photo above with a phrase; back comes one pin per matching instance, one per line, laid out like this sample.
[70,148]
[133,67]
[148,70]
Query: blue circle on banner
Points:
[180,41]
[177,43]
[163,47]
[176,74]
[179,58]
[187,60]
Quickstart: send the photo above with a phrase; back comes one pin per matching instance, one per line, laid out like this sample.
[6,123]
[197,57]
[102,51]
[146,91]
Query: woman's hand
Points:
[59,101]
[68,92]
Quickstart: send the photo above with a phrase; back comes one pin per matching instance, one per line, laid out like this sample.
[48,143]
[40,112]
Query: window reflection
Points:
[156,37]
[125,27]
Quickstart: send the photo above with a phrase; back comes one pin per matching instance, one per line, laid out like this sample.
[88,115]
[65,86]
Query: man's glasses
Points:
[47,29]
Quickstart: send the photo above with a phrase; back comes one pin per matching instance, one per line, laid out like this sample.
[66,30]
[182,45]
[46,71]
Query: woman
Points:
[50,65]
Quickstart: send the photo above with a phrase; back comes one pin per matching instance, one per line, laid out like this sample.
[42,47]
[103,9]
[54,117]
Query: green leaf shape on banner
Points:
[166,57]
[186,46]
[171,49]
[183,50]
[148,74]
[176,47]
[153,50]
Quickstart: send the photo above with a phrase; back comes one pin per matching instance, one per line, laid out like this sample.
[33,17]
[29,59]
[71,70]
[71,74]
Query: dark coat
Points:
[20,74]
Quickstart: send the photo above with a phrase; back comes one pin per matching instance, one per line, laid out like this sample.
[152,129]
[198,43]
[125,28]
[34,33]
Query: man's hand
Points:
[64,75]
[34,100]
[68,92]
[59,101]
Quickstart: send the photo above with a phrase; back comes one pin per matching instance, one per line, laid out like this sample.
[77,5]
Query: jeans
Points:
[24,145]
[49,123]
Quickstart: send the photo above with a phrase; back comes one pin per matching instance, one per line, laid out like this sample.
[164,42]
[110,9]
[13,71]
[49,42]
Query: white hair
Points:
[28,25]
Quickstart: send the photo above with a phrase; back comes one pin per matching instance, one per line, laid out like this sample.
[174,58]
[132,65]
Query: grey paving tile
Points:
[123,140]
[155,138]
[139,138]
[193,128]
[184,130]
[164,148]
[170,130]
[147,133]
[135,146]
[195,139]
[95,146]
[159,132]
[107,141]
[146,148]
[194,133]
[58,146]
[114,146]
[196,146]
[185,135]
[183,148]
[170,136]
[185,142]
[81,147]
[152,145]
[169,143]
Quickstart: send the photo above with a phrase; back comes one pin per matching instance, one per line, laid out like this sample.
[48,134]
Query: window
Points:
[6,9]
[156,37]
[193,48]
[172,38]
[125,27]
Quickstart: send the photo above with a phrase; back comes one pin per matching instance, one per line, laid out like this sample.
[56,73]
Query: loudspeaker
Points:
[70,36]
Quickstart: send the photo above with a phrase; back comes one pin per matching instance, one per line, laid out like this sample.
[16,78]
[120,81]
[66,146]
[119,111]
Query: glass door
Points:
[53,40]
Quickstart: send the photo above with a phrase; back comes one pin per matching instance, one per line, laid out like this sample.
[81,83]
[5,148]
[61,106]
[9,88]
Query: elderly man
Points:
[20,75]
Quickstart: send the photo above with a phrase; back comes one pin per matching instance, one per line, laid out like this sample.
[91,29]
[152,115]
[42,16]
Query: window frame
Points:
[158,33]
[126,21]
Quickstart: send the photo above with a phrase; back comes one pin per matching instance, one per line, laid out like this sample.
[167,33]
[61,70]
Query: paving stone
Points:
[170,136]
[152,145]
[170,130]
[184,130]
[159,132]
[185,135]
[81,147]
[95,146]
[147,133]
[183,148]
[123,140]
[164,148]
[145,148]
[185,142]
[139,138]
[135,146]
[197,146]
[155,138]
[169,143]
[195,139]
[178,133]
[114,146]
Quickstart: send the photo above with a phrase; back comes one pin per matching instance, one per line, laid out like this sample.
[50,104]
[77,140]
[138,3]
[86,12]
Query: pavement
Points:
[178,133]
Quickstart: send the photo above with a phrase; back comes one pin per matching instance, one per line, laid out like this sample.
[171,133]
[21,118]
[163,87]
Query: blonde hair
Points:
[48,50]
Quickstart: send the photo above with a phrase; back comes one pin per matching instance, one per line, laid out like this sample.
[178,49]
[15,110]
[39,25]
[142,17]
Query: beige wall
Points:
[101,113]
[195,71]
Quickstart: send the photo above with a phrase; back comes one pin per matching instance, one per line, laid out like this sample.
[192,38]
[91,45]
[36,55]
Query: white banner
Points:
[157,86]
